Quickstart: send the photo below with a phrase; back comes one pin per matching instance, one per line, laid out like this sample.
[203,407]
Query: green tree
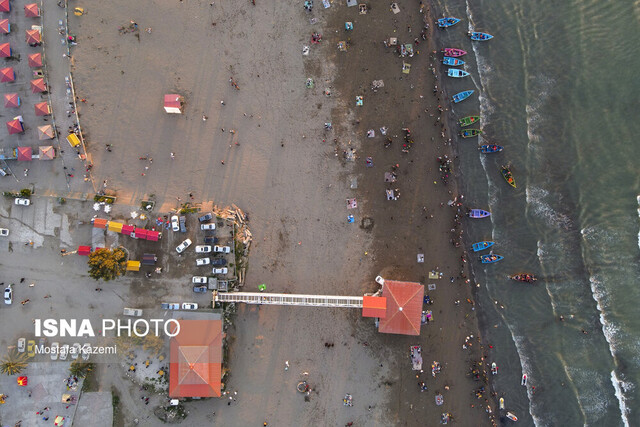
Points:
[13,363]
[80,369]
[107,264]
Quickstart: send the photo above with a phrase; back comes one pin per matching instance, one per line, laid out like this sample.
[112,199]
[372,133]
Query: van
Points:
[73,140]
[136,312]
[3,172]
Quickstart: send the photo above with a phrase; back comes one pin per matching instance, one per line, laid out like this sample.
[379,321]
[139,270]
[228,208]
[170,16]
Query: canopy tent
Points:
[31,10]
[15,126]
[47,152]
[11,100]
[141,233]
[173,103]
[133,265]
[42,109]
[33,37]
[115,226]
[153,235]
[84,250]
[149,259]
[5,26]
[404,308]
[7,75]
[100,223]
[127,229]
[5,50]
[38,85]
[45,132]
[35,59]
[374,307]
[25,154]
[5,6]
[59,421]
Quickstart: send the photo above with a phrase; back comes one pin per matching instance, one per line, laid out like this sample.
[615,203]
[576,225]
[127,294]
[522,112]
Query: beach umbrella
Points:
[47,152]
[5,26]
[33,37]
[25,154]
[5,6]
[11,100]
[37,85]
[7,75]
[5,50]
[45,132]
[42,109]
[23,381]
[35,60]
[31,10]
[14,126]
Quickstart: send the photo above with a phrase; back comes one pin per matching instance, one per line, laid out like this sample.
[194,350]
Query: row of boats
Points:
[474,35]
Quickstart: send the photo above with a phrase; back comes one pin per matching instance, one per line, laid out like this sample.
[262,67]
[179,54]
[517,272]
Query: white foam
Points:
[526,369]
[638,200]
[622,400]
[535,197]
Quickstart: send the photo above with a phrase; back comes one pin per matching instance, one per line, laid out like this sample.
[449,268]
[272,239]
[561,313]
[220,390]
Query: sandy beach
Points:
[282,167]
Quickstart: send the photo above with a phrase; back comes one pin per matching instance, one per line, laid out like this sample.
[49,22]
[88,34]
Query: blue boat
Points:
[491,148]
[481,246]
[480,37]
[478,213]
[490,258]
[454,62]
[454,72]
[447,22]
[462,96]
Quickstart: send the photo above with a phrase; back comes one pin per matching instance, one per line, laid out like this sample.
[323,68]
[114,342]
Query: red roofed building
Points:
[5,26]
[404,308]
[35,59]
[31,10]
[374,307]
[25,154]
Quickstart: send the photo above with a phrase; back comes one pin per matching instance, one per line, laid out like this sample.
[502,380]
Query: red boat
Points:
[523,277]
[452,51]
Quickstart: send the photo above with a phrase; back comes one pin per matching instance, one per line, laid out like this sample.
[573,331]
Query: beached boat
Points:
[508,176]
[452,51]
[447,22]
[502,403]
[462,96]
[490,258]
[480,37]
[512,416]
[480,246]
[491,148]
[478,213]
[494,369]
[469,120]
[469,133]
[524,277]
[524,380]
[454,72]
[454,62]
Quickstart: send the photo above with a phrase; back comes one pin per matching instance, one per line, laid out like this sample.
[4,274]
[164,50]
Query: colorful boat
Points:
[490,258]
[469,133]
[478,213]
[508,176]
[480,246]
[447,22]
[512,416]
[480,37]
[469,120]
[491,148]
[524,277]
[454,62]
[454,72]
[452,51]
[494,369]
[462,96]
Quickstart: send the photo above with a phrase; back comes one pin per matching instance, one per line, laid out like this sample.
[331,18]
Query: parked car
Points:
[75,350]
[199,279]
[55,348]
[21,344]
[86,351]
[206,217]
[203,249]
[183,224]
[222,270]
[22,201]
[222,249]
[209,226]
[8,295]
[31,348]
[189,306]
[210,240]
[135,312]
[170,306]
[200,289]
[4,232]
[184,245]
[175,226]
[64,352]
[203,261]
[219,261]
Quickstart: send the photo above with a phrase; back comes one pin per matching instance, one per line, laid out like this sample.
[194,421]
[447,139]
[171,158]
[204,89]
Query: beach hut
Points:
[45,132]
[35,59]
[47,152]
[31,10]
[115,226]
[42,109]
[140,233]
[5,26]
[5,50]
[5,6]
[153,235]
[11,100]
[133,265]
[84,250]
[25,154]
[33,37]
[7,75]
[173,104]
[99,223]
[404,308]
[37,85]
[15,126]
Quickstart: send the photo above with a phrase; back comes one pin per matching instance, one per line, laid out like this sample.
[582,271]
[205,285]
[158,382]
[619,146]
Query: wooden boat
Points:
[478,213]
[490,258]
[469,120]
[502,403]
[479,37]
[469,133]
[491,148]
[454,72]
[452,51]
[524,380]
[462,96]
[524,277]
[480,246]
[508,176]
[494,369]
[512,416]
[454,62]
[447,22]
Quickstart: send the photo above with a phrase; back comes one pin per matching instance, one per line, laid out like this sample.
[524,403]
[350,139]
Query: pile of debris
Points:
[242,235]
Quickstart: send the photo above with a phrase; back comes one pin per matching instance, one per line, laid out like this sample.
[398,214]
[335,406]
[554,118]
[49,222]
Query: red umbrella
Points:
[5,50]
[37,85]
[11,100]
[31,10]
[7,75]
[14,126]
[5,26]
[42,109]
[35,60]
[5,6]
[23,381]
[33,37]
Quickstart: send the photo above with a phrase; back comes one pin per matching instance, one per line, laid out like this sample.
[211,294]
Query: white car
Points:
[203,261]
[222,249]
[4,232]
[184,245]
[189,306]
[8,295]
[22,201]
[64,352]
[75,351]
[203,249]
[21,344]
[222,270]
[175,225]
[54,350]
[207,226]
[86,351]
[199,280]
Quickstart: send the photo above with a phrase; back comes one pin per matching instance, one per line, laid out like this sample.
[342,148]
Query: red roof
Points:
[173,101]
[100,223]
[42,109]
[25,154]
[33,36]
[11,100]
[7,75]
[14,126]
[404,308]
[84,250]
[35,59]
[152,235]
[31,10]
[38,85]
[374,307]
[195,361]
[5,50]
[5,26]
[141,233]
[127,229]
[5,6]
[47,152]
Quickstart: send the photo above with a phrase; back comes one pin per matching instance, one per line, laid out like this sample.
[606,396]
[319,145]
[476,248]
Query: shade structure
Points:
[173,103]
[5,6]
[115,226]
[100,223]
[42,109]
[47,152]
[5,26]
[23,381]
[33,37]
[45,132]
[31,10]
[11,100]
[5,50]
[14,126]
[35,60]
[374,307]
[7,75]
[141,233]
[38,85]
[133,265]
[127,229]
[404,308]
[84,250]
[25,154]
[153,235]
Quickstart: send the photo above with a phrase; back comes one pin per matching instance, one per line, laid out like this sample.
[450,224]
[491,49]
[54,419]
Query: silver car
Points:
[203,261]
[184,245]
[175,226]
